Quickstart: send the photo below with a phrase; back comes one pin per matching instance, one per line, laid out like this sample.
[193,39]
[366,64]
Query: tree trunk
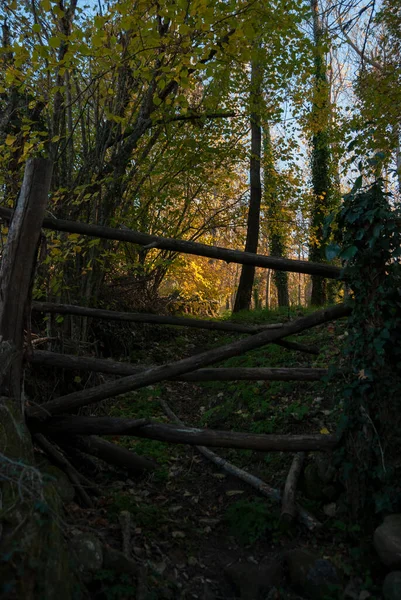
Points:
[275,224]
[322,191]
[268,283]
[244,292]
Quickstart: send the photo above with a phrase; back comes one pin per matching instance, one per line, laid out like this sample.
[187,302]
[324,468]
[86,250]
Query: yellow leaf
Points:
[10,139]
[325,431]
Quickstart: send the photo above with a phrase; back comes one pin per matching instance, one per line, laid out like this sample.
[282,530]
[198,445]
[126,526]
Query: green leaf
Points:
[332,251]
[349,252]
[54,41]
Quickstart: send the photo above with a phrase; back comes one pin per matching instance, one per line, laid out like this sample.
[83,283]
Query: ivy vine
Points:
[367,238]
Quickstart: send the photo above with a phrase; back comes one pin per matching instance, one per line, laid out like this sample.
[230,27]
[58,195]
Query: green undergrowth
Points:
[252,519]
[265,315]
[139,405]
[253,406]
[272,406]
[250,406]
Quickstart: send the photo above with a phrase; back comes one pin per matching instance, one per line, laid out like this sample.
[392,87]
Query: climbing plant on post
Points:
[369,227]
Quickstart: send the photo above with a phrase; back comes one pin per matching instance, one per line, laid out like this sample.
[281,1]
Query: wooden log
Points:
[186,365]
[187,247]
[288,506]
[73,425]
[17,264]
[266,490]
[109,452]
[111,315]
[297,346]
[112,367]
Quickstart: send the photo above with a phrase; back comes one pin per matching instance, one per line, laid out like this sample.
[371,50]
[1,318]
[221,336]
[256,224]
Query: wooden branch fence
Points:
[49,419]
[186,247]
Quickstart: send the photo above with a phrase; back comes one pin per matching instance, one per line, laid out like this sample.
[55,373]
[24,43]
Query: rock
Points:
[387,541]
[313,576]
[88,554]
[330,509]
[392,586]
[251,580]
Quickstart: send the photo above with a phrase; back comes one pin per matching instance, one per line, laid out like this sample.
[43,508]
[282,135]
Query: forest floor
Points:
[204,534]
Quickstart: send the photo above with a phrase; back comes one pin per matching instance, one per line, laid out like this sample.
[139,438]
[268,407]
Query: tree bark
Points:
[186,365]
[186,247]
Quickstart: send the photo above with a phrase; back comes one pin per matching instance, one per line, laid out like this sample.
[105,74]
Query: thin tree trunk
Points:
[244,292]
[275,226]
[268,285]
[320,158]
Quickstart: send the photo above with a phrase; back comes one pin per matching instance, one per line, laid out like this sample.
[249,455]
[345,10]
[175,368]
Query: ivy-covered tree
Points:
[320,156]
[369,234]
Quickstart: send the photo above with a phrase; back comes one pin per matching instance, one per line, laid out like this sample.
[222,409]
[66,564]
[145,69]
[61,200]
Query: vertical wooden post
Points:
[35,558]
[18,262]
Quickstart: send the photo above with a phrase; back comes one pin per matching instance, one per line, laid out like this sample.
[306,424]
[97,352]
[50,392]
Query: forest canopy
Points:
[146,110]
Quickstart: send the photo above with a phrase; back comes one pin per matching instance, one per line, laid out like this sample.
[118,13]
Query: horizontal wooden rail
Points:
[67,426]
[112,367]
[186,365]
[186,247]
[111,315]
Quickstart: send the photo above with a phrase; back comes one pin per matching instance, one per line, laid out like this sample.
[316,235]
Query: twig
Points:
[266,490]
